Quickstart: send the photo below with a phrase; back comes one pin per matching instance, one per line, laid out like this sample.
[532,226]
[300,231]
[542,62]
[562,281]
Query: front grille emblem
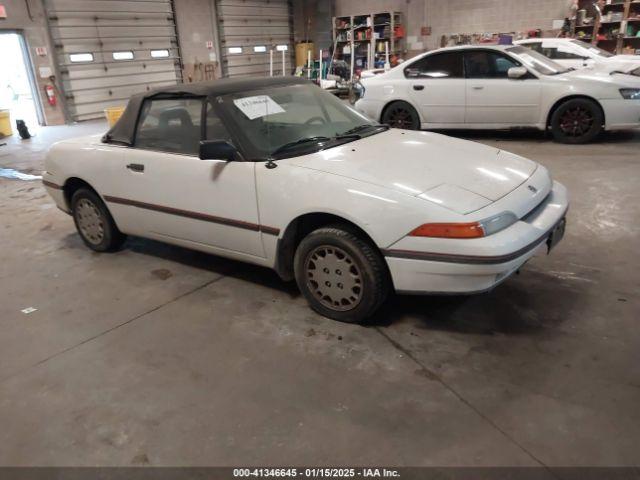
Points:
[532,188]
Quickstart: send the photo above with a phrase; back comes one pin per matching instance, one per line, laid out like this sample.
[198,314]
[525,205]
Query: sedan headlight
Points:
[630,93]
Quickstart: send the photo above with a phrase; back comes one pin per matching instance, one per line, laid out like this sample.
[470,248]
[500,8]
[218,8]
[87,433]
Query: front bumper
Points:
[437,271]
[621,114]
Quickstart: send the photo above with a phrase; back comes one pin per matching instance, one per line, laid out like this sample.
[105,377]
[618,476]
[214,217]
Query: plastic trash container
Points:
[5,123]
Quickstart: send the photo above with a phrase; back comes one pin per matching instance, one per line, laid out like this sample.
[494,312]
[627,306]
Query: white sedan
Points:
[279,173]
[499,87]
[573,53]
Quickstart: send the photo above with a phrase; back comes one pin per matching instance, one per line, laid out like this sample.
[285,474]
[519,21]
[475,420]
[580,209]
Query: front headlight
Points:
[630,93]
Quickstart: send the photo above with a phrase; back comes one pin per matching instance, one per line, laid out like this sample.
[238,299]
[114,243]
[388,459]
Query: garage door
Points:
[249,29]
[108,50]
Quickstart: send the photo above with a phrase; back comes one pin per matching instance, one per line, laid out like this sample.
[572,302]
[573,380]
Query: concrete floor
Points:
[159,355]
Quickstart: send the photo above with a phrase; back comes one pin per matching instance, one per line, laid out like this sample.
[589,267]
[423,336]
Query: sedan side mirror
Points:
[517,72]
[218,150]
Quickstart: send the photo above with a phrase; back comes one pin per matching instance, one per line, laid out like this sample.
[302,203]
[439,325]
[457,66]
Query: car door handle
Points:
[418,87]
[136,167]
[478,88]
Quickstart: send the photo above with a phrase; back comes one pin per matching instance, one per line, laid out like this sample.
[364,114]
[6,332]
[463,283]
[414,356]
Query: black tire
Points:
[401,115]
[355,289]
[94,222]
[576,121]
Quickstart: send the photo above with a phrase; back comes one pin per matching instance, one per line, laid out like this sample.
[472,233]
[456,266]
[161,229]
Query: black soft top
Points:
[123,131]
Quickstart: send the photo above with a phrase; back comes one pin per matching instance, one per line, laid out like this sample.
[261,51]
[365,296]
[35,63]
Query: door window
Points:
[215,129]
[441,65]
[554,53]
[170,125]
[537,46]
[488,64]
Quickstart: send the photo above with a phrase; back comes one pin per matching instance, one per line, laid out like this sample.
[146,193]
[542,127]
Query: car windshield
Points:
[593,49]
[537,61]
[294,120]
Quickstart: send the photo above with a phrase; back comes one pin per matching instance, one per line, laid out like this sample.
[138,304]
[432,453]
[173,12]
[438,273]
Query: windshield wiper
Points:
[619,72]
[302,141]
[361,128]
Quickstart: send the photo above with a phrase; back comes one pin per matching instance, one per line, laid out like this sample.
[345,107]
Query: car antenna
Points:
[270,163]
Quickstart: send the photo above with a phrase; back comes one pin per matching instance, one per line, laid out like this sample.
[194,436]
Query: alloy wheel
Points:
[400,117]
[576,122]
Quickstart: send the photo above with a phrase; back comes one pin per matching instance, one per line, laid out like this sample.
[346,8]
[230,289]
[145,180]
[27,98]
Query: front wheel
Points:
[342,276]
[577,121]
[401,115]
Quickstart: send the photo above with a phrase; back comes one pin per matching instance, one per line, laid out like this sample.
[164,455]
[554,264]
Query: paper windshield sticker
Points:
[258,106]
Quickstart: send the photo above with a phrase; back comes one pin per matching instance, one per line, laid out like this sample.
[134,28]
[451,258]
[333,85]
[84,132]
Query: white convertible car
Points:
[279,173]
[573,53]
[499,87]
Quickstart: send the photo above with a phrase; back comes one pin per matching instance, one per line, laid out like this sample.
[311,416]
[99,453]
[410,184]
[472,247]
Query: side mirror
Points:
[517,72]
[218,150]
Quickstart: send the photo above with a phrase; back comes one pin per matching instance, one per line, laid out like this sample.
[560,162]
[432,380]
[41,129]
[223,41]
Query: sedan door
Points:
[437,88]
[163,190]
[495,99]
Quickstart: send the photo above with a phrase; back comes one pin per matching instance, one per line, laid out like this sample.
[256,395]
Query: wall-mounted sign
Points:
[45,72]
[41,51]
[3,12]
[209,44]
[425,31]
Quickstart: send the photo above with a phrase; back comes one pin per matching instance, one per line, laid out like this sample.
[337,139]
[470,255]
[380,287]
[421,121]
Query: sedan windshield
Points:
[593,49]
[537,61]
[294,120]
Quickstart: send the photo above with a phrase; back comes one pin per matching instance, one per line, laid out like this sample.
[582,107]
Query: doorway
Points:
[18,93]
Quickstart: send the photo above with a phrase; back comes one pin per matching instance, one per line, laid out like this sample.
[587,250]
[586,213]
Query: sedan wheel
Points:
[94,222]
[341,275]
[401,115]
[577,121]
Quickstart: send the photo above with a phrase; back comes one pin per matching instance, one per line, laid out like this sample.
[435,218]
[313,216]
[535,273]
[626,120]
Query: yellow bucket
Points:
[113,114]
[5,123]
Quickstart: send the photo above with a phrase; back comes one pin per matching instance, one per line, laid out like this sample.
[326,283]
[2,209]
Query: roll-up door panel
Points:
[245,24]
[130,29]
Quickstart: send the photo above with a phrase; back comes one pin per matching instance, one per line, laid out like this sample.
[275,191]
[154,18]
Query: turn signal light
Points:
[449,230]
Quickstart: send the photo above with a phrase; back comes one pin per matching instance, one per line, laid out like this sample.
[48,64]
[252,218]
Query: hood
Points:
[624,60]
[460,175]
[622,63]
[603,75]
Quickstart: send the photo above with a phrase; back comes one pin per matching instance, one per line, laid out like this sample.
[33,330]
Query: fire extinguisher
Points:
[51,95]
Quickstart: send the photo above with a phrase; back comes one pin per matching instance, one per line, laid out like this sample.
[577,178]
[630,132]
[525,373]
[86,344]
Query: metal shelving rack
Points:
[365,36]
[620,15]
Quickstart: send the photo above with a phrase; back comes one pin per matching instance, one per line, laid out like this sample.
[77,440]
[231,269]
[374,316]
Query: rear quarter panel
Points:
[88,160]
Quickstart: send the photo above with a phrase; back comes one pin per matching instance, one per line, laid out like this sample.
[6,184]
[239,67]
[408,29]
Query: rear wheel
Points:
[94,222]
[341,275]
[401,115]
[577,121]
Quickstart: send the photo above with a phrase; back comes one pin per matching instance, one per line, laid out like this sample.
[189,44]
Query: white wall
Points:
[446,17]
